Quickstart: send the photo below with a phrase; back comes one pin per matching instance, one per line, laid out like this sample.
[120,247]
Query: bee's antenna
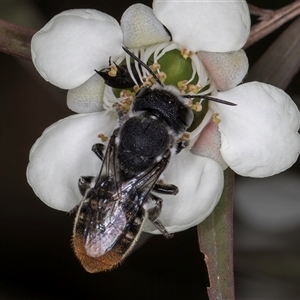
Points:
[210,98]
[144,65]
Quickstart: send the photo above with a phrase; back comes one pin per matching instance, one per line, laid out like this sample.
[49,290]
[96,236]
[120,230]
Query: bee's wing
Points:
[110,168]
[120,202]
[134,193]
[139,187]
[110,217]
[100,218]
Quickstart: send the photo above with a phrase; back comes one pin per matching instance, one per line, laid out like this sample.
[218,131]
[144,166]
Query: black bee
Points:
[116,203]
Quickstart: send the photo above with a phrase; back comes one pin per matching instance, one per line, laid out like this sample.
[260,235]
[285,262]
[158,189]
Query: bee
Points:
[116,203]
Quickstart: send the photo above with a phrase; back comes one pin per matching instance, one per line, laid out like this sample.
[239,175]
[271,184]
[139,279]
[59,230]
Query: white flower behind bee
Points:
[74,43]
[258,137]
[63,153]
[199,192]
[215,26]
[141,28]
[87,97]
[228,69]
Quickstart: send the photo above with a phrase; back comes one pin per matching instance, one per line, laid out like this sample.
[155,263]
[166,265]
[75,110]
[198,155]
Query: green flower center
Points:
[172,66]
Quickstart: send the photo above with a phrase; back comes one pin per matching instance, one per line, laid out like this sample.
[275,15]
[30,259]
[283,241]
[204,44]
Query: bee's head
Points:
[165,103]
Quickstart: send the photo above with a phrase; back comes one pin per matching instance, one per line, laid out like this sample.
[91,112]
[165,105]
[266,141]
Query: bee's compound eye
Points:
[186,116]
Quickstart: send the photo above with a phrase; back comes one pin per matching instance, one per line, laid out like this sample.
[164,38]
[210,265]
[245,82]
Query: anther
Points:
[216,119]
[186,54]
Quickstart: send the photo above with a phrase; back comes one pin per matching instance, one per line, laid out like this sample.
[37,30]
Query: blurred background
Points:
[36,258]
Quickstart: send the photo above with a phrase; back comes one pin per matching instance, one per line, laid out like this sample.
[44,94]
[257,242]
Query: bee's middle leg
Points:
[153,214]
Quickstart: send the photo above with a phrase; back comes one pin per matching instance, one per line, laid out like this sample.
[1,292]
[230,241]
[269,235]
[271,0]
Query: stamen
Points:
[137,65]
[155,67]
[198,69]
[136,88]
[140,63]
[194,88]
[123,105]
[109,98]
[198,84]
[147,82]
[146,53]
[166,49]
[162,76]
[185,137]
[197,107]
[186,54]
[127,94]
[103,137]
[182,86]
[127,57]
[195,133]
[215,118]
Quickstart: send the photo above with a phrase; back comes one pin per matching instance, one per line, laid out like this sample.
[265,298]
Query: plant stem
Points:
[15,40]
[281,61]
[270,20]
[215,237]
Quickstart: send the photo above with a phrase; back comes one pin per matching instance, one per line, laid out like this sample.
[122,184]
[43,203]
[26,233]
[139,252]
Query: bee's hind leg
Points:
[86,182]
[153,214]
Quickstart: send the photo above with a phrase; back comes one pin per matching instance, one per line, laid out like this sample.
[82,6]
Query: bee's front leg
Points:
[181,145]
[98,150]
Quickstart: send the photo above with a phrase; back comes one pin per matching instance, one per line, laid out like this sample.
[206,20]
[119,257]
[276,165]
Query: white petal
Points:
[63,154]
[200,183]
[227,69]
[88,97]
[74,43]
[259,135]
[215,26]
[141,28]
[208,144]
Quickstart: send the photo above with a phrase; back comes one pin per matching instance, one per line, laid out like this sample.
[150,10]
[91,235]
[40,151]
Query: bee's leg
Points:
[84,183]
[181,145]
[121,112]
[98,150]
[73,210]
[153,214]
[164,188]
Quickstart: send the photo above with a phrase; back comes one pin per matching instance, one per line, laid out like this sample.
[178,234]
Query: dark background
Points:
[36,259]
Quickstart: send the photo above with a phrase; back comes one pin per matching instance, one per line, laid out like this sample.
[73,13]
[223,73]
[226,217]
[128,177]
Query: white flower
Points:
[258,137]
[63,154]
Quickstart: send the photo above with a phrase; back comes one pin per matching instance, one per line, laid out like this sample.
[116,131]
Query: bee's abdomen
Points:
[118,251]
